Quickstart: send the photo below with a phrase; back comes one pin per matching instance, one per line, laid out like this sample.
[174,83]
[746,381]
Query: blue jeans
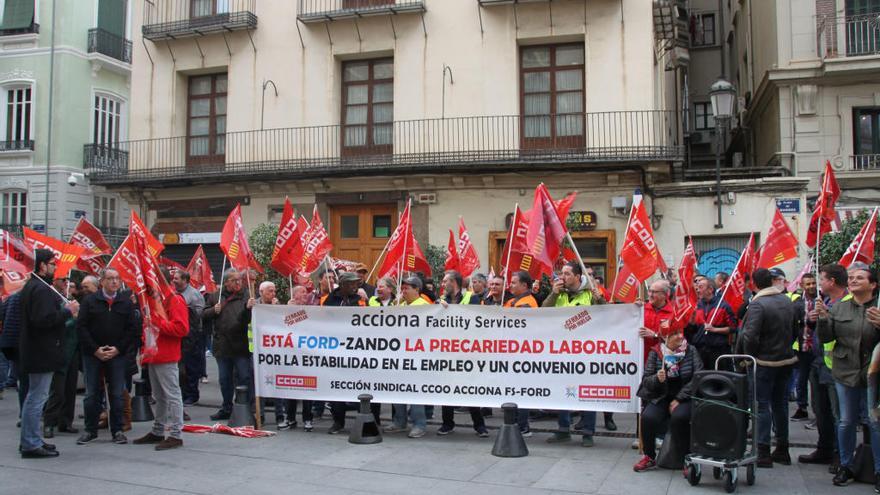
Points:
[772,390]
[241,367]
[115,376]
[4,371]
[852,409]
[589,418]
[32,410]
[416,415]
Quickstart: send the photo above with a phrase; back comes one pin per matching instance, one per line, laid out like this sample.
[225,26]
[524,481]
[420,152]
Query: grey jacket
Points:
[854,338]
[769,329]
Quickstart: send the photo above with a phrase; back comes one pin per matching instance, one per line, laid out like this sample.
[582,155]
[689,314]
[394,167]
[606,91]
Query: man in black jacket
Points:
[107,333]
[768,332]
[231,317]
[41,352]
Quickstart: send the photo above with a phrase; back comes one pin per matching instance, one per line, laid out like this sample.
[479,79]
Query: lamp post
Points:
[722,94]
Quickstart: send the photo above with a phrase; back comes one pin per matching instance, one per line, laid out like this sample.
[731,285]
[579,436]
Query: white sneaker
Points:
[416,433]
[392,428]
[307,425]
[635,444]
[283,424]
[204,379]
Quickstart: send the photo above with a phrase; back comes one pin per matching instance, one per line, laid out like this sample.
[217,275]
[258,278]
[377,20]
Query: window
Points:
[204,8]
[702,29]
[13,208]
[367,106]
[704,118]
[17,125]
[866,132]
[206,128]
[18,17]
[862,31]
[105,212]
[552,95]
[107,121]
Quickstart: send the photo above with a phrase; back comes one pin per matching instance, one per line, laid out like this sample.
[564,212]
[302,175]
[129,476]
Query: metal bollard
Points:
[510,442]
[241,408]
[140,403]
[365,430]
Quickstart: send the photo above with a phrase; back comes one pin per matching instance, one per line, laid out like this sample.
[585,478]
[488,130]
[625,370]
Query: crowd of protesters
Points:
[813,345]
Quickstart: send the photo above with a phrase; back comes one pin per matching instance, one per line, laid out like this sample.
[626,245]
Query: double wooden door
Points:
[359,232]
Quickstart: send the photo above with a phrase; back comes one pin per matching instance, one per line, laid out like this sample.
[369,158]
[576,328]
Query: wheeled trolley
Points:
[728,469]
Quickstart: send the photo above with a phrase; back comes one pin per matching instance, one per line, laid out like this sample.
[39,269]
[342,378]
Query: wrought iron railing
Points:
[848,36]
[865,162]
[17,145]
[170,19]
[34,28]
[107,43]
[427,144]
[320,10]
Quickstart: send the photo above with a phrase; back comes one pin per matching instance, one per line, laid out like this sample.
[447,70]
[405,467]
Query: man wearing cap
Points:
[43,317]
[453,295]
[362,271]
[410,290]
[346,295]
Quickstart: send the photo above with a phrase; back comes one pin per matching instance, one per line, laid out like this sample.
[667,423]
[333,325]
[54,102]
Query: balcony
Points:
[331,10]
[488,3]
[462,144]
[861,163]
[173,19]
[848,36]
[23,145]
[109,44]
[33,28]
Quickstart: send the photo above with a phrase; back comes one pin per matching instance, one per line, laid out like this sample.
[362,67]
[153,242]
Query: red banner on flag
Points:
[200,274]
[546,230]
[823,213]
[92,266]
[685,302]
[862,246]
[639,251]
[286,242]
[451,253]
[15,255]
[468,260]
[90,237]
[66,255]
[234,243]
[402,252]
[314,247]
[780,246]
[136,226]
[12,283]
[735,287]
[516,249]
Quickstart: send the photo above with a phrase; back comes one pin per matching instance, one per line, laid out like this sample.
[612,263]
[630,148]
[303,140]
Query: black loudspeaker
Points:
[719,421]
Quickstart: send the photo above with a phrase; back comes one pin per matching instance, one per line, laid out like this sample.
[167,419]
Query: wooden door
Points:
[359,232]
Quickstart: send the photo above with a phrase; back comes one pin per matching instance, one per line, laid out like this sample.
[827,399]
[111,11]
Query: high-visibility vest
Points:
[250,334]
[582,298]
[374,301]
[794,296]
[418,302]
[466,297]
[527,301]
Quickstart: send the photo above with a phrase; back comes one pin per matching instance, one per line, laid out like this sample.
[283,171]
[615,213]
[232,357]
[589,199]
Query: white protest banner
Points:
[574,358]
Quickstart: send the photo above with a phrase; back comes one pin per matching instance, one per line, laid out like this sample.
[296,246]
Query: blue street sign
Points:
[788,205]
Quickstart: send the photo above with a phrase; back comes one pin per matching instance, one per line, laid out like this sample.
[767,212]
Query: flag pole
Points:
[50,286]
[405,241]
[727,286]
[862,240]
[378,259]
[222,272]
[591,284]
[510,234]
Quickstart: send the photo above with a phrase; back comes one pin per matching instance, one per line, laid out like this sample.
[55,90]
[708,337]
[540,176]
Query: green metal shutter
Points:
[17,14]
[111,16]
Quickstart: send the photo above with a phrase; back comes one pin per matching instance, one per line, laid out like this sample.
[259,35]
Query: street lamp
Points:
[722,94]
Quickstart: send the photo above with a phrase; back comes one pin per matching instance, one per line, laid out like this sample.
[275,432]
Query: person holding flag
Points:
[571,289]
[711,324]
[42,327]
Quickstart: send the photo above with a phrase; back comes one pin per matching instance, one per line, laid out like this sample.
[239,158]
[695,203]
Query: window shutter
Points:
[17,14]
[111,16]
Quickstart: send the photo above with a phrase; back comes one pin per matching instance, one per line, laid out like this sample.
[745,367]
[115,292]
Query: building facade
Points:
[62,88]
[463,106]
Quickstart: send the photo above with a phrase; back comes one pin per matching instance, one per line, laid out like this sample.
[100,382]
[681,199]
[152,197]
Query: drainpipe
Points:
[49,124]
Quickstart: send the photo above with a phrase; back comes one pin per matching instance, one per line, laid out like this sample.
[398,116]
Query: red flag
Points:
[170,263]
[685,302]
[546,230]
[137,226]
[403,251]
[451,254]
[12,283]
[823,213]
[468,260]
[66,255]
[88,236]
[200,275]
[517,250]
[92,266]
[234,243]
[862,247]
[736,284]
[564,205]
[639,251]
[780,246]
[288,238]
[626,286]
[314,247]
[15,255]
